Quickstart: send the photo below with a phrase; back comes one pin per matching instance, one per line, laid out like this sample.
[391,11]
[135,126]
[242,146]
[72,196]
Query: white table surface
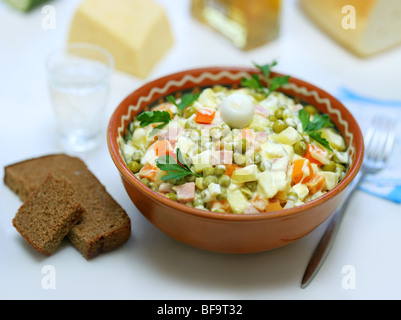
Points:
[151,265]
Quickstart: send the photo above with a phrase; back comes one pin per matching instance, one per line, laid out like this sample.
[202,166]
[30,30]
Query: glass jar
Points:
[246,23]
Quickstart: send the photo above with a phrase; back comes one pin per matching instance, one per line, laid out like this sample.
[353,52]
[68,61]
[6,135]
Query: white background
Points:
[151,265]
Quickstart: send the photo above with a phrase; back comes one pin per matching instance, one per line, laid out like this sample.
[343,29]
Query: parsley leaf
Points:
[272,83]
[253,83]
[149,117]
[312,127]
[176,168]
[186,100]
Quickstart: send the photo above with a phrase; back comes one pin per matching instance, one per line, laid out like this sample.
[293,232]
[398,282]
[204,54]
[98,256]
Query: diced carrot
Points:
[260,202]
[230,168]
[302,170]
[149,171]
[274,205]
[220,204]
[316,183]
[205,115]
[162,148]
[315,154]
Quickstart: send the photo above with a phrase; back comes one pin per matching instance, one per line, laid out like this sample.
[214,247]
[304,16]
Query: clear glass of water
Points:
[79,80]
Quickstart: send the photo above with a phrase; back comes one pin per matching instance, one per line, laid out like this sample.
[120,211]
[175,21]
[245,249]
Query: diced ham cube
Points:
[185,192]
[166,188]
[261,136]
[261,111]
[222,157]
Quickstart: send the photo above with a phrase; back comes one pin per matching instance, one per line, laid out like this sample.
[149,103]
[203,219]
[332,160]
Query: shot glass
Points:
[79,82]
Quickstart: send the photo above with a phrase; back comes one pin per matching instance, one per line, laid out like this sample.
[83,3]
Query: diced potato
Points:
[270,182]
[301,190]
[202,160]
[259,123]
[249,173]
[214,189]
[128,150]
[237,201]
[271,149]
[185,144]
[288,136]
[335,140]
[331,179]
[207,99]
[139,137]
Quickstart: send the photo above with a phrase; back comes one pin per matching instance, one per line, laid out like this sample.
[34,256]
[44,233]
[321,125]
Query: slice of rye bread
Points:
[48,214]
[104,226]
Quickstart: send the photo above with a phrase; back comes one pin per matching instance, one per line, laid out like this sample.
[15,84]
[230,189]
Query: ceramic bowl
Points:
[231,233]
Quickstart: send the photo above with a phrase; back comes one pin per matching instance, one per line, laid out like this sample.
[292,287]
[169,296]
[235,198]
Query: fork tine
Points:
[379,139]
[391,126]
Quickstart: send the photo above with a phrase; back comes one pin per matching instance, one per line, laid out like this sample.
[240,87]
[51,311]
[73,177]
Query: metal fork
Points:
[379,140]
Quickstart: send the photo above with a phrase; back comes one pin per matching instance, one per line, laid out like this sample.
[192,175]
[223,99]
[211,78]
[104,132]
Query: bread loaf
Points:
[104,225]
[48,215]
[365,27]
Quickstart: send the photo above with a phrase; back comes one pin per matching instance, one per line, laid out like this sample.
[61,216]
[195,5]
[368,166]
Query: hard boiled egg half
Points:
[237,110]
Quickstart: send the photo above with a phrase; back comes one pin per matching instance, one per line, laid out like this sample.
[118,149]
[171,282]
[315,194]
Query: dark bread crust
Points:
[48,215]
[103,227]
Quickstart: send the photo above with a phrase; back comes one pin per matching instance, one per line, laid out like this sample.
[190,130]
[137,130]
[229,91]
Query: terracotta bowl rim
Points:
[126,174]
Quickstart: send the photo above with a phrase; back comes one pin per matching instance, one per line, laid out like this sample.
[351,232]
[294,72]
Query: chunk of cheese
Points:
[137,33]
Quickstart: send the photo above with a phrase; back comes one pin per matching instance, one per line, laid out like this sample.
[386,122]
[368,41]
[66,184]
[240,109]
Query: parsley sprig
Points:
[272,84]
[176,168]
[148,117]
[313,127]
[186,100]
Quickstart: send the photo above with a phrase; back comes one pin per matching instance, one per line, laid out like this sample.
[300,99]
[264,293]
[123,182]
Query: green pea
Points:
[181,181]
[199,183]
[172,196]
[251,185]
[190,124]
[215,133]
[240,159]
[279,126]
[244,145]
[197,202]
[300,148]
[222,195]
[247,193]
[292,196]
[145,181]
[340,168]
[134,166]
[272,118]
[229,146]
[137,155]
[218,88]
[311,109]
[224,180]
[190,178]
[278,113]
[225,129]
[189,111]
[259,96]
[208,180]
[257,158]
[208,171]
[331,166]
[219,170]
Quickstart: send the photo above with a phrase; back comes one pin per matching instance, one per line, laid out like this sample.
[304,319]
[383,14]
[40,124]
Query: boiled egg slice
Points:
[237,110]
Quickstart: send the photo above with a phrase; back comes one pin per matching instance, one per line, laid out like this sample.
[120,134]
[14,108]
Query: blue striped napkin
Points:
[387,183]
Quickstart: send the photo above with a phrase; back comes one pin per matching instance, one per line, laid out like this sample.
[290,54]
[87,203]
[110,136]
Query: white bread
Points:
[377,23]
